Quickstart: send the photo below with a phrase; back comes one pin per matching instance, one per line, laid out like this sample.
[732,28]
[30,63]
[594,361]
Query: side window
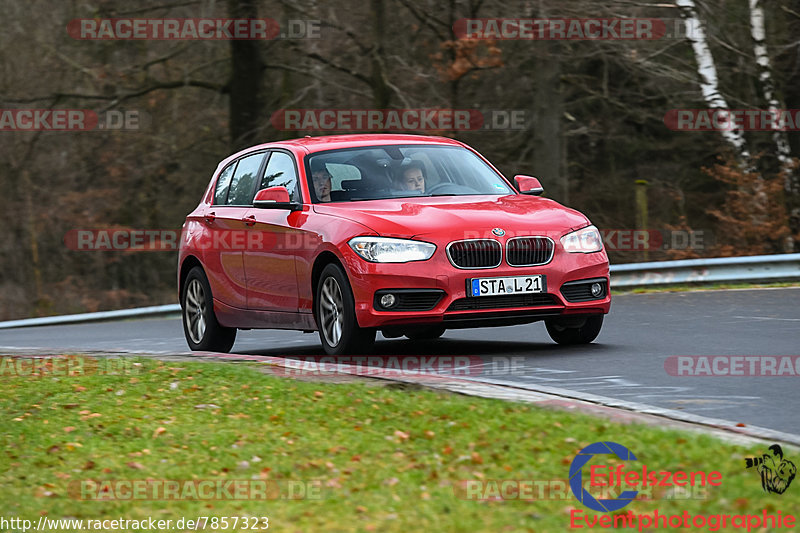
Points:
[223,183]
[280,171]
[244,178]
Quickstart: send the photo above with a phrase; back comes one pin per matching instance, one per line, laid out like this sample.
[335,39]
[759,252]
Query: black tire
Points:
[335,313]
[577,330]
[200,326]
[425,334]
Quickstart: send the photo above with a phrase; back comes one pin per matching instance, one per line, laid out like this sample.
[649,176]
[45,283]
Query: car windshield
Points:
[381,172]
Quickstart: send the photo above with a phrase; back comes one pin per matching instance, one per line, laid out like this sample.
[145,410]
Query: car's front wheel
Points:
[574,330]
[336,315]
[200,325]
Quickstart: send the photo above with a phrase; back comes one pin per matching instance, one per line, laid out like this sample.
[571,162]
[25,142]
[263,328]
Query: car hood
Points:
[475,216]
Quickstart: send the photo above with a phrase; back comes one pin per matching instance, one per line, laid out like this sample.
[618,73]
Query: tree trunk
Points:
[246,105]
[783,150]
[707,71]
[547,113]
[380,89]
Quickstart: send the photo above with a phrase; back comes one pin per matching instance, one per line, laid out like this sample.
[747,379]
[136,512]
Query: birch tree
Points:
[707,72]
[758,32]
[783,149]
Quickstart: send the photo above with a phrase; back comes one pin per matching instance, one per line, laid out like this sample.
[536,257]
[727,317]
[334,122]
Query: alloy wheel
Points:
[331,311]
[195,309]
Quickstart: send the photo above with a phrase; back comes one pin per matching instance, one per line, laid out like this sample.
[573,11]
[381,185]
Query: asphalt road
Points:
[625,363]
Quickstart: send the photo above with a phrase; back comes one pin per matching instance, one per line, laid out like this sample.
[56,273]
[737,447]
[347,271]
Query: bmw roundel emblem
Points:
[499,232]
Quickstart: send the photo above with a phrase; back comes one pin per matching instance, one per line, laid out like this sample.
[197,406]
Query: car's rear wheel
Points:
[425,333]
[574,330]
[200,325]
[339,332]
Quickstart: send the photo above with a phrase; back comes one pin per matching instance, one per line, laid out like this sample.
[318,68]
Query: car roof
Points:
[329,142]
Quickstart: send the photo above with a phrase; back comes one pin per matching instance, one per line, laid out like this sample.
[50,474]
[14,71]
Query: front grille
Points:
[477,253]
[580,291]
[410,299]
[529,251]
[502,302]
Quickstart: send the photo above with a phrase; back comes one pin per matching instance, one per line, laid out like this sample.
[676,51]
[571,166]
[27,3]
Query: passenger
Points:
[412,177]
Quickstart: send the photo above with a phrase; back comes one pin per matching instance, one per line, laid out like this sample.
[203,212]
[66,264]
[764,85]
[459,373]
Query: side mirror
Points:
[528,185]
[275,198]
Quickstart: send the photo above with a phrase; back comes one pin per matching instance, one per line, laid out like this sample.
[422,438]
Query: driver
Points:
[412,177]
[321,179]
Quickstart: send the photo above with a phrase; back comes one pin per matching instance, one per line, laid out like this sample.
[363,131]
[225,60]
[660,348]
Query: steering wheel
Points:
[447,187]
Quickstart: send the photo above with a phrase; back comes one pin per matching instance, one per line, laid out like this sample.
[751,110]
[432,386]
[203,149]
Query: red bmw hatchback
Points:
[406,234]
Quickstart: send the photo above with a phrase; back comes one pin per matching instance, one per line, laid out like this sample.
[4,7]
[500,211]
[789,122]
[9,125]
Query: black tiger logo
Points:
[776,472]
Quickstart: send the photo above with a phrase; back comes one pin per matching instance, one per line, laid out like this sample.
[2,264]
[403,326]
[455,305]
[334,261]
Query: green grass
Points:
[388,458]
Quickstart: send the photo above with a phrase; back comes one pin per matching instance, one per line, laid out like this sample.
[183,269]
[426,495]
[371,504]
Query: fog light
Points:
[388,300]
[596,289]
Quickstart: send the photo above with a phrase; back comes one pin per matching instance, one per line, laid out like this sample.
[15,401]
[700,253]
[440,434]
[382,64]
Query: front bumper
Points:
[455,310]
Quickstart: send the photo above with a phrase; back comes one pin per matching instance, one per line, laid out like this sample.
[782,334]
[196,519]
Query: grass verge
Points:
[380,458]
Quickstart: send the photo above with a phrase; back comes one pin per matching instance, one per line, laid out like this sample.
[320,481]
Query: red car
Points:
[410,235]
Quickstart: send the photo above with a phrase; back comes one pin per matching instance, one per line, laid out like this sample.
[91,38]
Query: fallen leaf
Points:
[159,431]
[135,465]
[402,435]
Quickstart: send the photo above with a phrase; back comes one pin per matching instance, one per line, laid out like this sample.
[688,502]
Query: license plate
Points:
[506,285]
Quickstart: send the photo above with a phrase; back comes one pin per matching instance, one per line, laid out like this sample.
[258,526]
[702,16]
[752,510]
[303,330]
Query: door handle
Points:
[209,217]
[249,221]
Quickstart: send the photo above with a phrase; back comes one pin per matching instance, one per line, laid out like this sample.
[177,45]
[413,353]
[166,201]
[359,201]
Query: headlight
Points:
[387,250]
[584,240]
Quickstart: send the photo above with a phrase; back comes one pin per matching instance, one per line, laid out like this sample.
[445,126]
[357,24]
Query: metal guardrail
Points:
[139,312]
[755,268]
